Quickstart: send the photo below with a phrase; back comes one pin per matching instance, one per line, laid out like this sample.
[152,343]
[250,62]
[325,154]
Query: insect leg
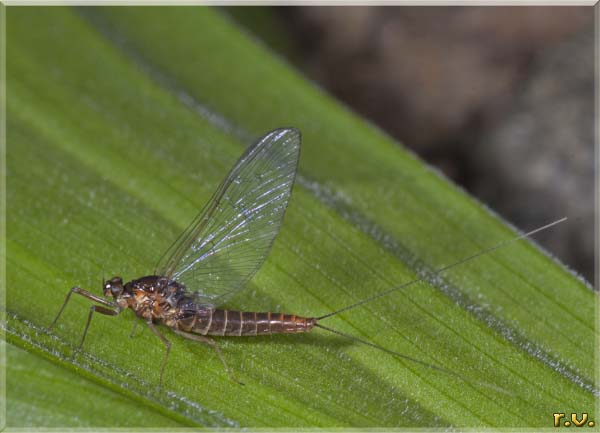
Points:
[167,345]
[135,323]
[85,294]
[97,309]
[213,344]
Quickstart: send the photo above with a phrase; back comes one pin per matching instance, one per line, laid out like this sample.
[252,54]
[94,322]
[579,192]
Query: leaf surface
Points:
[121,122]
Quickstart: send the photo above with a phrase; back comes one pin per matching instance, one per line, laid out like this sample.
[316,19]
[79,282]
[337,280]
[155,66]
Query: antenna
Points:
[445,268]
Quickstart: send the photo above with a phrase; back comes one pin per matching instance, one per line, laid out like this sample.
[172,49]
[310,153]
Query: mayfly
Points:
[220,251]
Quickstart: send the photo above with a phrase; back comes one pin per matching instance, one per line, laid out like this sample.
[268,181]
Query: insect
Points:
[219,252]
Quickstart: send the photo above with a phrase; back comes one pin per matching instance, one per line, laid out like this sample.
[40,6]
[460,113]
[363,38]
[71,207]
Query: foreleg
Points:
[110,308]
[96,309]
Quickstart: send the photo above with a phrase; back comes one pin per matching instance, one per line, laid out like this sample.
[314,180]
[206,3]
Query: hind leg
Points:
[213,344]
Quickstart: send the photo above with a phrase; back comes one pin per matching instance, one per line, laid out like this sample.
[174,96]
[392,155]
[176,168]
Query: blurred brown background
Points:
[501,99]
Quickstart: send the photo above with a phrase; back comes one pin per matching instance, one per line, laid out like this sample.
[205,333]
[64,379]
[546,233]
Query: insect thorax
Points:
[154,297]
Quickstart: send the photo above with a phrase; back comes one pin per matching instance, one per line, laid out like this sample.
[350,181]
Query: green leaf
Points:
[43,393]
[121,122]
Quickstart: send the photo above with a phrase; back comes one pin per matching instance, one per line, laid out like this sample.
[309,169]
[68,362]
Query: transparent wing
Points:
[231,236]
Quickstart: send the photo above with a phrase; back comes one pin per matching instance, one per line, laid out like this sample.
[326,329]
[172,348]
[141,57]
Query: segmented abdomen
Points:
[243,323]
